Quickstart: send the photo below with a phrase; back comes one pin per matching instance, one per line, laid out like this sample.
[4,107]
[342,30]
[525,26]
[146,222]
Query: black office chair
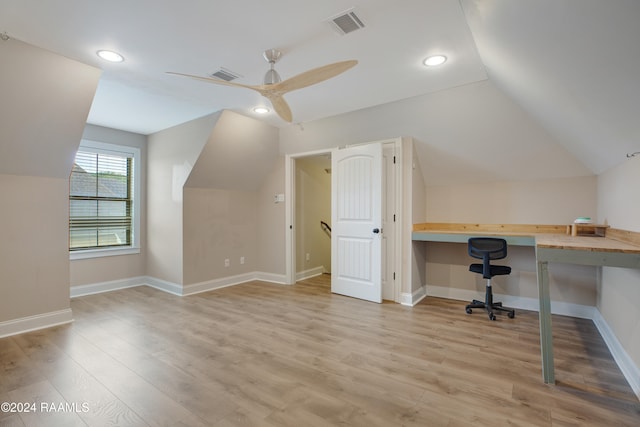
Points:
[487,249]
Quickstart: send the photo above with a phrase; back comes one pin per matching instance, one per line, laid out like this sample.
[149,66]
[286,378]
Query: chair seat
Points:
[495,270]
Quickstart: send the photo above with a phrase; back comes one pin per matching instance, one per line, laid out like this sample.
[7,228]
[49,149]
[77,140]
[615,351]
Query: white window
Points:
[104,205]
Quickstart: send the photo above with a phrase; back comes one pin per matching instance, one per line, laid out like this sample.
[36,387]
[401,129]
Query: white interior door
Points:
[356,243]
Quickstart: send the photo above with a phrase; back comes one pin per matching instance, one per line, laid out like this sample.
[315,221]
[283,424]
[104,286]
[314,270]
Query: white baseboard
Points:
[170,287]
[626,365]
[114,285]
[175,288]
[280,279]
[413,298]
[312,272]
[34,323]
[163,285]
[210,285]
[522,303]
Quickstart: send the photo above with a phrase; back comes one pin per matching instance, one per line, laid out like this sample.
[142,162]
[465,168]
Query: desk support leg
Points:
[546,337]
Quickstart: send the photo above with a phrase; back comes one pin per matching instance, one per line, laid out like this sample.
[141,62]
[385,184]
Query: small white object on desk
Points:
[583,226]
[582,220]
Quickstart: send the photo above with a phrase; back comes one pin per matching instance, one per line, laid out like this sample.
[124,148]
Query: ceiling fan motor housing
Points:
[272,56]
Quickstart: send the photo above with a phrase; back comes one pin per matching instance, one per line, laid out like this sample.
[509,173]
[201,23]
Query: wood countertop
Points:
[546,236]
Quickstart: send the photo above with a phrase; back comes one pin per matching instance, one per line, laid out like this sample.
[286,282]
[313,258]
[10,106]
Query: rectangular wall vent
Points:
[224,74]
[346,22]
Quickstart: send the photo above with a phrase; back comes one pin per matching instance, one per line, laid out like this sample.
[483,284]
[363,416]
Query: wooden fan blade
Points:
[281,107]
[217,81]
[314,76]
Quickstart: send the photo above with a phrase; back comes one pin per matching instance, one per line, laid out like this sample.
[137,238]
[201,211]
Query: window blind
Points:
[100,201]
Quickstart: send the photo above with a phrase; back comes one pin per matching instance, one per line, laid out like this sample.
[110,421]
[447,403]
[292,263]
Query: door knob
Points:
[376,230]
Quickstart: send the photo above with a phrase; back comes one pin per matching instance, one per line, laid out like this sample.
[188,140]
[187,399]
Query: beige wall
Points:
[313,204]
[548,201]
[110,268]
[552,201]
[448,268]
[271,222]
[171,156]
[45,102]
[219,225]
[206,180]
[222,204]
[34,253]
[619,296]
[42,117]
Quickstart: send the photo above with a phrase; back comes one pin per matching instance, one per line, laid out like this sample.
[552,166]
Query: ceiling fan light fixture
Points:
[435,60]
[261,110]
[109,55]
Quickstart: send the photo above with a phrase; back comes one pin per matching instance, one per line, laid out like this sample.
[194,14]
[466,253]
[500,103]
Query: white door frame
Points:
[290,214]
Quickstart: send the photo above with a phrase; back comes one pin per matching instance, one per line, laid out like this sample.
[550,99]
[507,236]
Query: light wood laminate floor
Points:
[261,354]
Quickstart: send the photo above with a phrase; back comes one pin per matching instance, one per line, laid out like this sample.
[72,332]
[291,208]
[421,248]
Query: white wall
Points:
[619,296]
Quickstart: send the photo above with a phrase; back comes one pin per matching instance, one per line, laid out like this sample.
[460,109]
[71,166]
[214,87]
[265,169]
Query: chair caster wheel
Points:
[492,317]
[468,310]
[511,315]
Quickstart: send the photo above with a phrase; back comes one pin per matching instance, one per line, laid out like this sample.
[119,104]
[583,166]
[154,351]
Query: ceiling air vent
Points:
[226,75]
[346,22]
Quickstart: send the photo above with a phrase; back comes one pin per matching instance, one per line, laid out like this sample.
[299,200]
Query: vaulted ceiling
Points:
[572,65]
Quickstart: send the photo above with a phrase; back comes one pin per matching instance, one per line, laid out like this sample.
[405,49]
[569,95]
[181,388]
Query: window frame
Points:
[119,150]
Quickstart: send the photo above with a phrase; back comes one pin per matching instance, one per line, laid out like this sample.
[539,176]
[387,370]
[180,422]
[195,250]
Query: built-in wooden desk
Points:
[618,248]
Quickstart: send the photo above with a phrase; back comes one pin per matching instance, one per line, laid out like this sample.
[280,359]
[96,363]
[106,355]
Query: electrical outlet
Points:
[227,262]
[241,260]
[308,257]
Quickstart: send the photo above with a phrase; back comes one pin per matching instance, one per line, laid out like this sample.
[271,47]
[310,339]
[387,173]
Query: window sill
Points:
[99,253]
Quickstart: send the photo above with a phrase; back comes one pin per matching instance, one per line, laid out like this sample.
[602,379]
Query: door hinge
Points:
[394,217]
[394,275]
[394,160]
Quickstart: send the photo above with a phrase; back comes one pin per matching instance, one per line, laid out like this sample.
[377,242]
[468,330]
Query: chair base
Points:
[490,306]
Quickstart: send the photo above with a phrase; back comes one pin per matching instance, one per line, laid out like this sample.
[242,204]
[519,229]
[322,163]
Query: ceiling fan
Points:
[273,87]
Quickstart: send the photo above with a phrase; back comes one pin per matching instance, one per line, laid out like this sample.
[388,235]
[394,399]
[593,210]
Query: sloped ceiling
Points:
[469,134]
[574,65]
[41,119]
[198,37]
[238,155]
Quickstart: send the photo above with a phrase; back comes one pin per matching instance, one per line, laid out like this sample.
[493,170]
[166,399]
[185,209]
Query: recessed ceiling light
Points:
[261,110]
[110,56]
[434,60]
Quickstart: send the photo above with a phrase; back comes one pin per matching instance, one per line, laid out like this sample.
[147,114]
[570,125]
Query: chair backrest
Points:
[489,247]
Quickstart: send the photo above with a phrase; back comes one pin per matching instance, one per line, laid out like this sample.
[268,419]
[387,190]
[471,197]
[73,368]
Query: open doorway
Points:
[306,208]
[313,215]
